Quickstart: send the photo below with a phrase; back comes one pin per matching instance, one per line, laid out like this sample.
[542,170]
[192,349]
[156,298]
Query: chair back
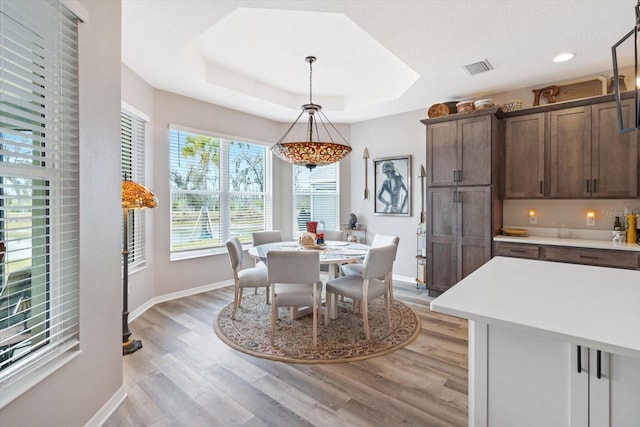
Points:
[234,248]
[263,237]
[379,261]
[384,240]
[336,235]
[293,266]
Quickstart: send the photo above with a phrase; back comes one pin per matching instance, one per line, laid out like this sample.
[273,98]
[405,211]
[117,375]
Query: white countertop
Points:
[579,243]
[596,307]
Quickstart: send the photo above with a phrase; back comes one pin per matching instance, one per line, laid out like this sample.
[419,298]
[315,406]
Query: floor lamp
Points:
[134,196]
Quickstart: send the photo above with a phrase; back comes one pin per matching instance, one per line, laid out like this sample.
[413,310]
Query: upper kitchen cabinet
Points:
[589,157]
[459,152]
[524,156]
[614,156]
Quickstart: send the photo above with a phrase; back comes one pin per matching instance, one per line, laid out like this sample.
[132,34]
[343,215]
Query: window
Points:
[39,205]
[132,136]
[220,188]
[316,197]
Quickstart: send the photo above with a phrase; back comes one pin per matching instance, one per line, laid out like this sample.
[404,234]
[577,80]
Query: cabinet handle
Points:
[599,364]
[455,198]
[594,185]
[459,197]
[579,359]
[541,191]
[519,251]
[455,176]
[587,185]
[459,175]
[589,257]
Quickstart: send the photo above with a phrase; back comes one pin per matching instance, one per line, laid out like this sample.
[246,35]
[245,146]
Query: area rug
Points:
[343,340]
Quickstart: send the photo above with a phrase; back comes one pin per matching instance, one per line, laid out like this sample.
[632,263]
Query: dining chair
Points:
[294,277]
[264,237]
[378,241]
[251,277]
[374,282]
[336,235]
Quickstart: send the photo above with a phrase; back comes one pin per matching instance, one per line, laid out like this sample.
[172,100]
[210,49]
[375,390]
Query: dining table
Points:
[333,253]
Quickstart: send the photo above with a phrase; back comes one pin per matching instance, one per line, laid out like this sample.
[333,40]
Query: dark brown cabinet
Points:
[459,152]
[573,255]
[464,209]
[524,156]
[589,157]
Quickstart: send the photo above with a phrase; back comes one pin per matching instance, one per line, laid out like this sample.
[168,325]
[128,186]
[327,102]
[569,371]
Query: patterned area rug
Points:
[343,340]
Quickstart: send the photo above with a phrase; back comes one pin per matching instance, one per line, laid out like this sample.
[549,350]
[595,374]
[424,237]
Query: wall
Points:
[76,391]
[395,135]
[168,108]
[138,94]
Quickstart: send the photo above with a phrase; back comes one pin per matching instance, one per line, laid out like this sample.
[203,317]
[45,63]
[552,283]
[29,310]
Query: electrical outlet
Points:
[591,219]
[533,218]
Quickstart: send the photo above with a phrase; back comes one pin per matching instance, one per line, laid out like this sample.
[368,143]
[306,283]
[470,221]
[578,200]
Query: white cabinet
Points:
[531,380]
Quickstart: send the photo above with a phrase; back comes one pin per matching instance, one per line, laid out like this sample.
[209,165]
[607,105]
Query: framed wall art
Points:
[392,185]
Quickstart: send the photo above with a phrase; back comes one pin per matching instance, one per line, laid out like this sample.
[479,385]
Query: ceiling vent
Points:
[478,67]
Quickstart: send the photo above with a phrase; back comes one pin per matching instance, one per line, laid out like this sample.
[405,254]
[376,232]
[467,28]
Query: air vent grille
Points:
[478,67]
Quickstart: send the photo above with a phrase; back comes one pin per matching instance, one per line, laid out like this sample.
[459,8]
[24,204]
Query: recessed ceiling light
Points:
[563,57]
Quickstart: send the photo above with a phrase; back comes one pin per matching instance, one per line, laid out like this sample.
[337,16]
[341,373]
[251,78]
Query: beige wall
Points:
[75,392]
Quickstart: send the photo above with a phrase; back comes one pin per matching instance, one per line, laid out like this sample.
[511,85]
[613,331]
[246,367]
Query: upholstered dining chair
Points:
[378,241]
[263,237]
[374,282]
[252,277]
[294,277]
[337,235]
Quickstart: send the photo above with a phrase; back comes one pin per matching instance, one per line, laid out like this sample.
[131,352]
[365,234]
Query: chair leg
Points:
[274,316]
[236,302]
[315,317]
[386,305]
[267,293]
[365,317]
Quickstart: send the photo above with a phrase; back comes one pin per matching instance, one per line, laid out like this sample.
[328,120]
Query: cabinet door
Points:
[524,156]
[442,153]
[474,151]
[473,229]
[614,156]
[614,398]
[529,381]
[570,152]
[441,238]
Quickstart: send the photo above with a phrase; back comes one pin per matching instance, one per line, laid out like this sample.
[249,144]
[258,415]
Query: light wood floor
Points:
[185,376]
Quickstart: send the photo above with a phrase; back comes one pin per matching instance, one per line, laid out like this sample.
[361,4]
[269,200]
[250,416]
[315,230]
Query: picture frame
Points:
[392,186]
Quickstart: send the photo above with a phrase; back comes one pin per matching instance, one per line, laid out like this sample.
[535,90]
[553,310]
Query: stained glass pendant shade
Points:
[322,150]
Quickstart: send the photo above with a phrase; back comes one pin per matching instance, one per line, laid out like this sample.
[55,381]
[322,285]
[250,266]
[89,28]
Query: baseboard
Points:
[407,279]
[175,295]
[108,408]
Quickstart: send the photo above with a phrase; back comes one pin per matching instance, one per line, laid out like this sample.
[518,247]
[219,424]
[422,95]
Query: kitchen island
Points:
[547,345]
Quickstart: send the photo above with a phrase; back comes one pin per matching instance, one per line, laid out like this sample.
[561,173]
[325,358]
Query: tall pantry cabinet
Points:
[463,195]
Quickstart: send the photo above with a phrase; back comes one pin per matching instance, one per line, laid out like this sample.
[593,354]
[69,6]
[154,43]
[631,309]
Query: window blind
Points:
[39,210]
[220,188]
[132,138]
[316,197]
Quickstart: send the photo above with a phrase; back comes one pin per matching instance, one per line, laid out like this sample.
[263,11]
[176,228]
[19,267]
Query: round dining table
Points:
[333,253]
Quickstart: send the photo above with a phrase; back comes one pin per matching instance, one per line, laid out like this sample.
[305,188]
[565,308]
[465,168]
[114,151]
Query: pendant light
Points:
[320,147]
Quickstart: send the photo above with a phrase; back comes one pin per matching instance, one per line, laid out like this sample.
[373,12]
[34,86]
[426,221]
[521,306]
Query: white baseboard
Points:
[175,295]
[108,408]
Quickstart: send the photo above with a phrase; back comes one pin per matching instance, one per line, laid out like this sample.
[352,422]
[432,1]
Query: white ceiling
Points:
[375,57]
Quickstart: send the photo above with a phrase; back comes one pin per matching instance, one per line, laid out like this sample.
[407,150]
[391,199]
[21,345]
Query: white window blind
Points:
[316,197]
[38,186]
[132,137]
[220,188]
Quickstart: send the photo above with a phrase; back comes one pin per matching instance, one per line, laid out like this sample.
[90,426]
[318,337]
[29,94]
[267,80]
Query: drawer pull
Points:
[541,187]
[589,257]
[599,363]
[579,359]
[519,251]
[587,185]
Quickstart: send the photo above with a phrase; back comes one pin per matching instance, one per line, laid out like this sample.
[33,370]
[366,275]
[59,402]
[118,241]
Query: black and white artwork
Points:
[392,183]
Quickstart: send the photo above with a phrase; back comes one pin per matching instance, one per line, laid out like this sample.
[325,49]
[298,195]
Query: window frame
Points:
[223,192]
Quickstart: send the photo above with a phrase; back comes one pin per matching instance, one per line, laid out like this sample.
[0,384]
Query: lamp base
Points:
[131,346]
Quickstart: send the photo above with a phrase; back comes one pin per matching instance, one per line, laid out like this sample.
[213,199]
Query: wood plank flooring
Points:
[185,375]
